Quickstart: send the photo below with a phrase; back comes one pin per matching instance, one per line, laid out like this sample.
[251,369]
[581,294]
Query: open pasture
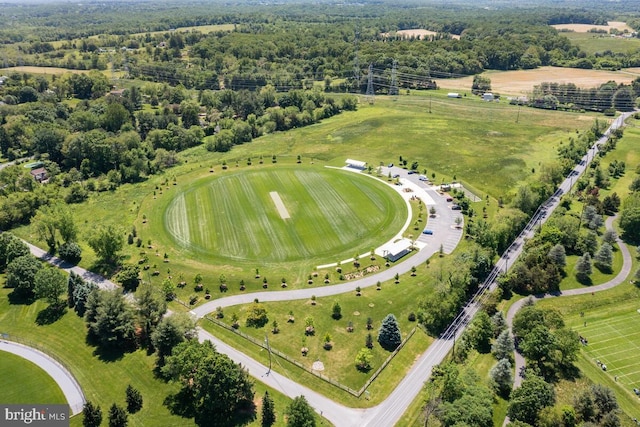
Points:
[283,214]
[592,43]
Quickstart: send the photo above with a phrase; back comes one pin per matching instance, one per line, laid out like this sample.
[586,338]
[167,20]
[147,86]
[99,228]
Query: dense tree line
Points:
[274,44]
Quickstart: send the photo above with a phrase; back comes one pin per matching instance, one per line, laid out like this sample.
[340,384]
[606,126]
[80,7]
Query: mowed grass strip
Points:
[22,381]
[333,213]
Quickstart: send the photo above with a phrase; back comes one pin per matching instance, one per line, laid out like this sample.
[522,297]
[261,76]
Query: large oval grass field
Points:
[281,214]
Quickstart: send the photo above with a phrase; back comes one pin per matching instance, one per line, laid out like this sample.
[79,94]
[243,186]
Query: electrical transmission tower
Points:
[370,93]
[356,63]
[393,89]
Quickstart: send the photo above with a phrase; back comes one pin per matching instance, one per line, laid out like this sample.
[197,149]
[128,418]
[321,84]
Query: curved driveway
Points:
[67,383]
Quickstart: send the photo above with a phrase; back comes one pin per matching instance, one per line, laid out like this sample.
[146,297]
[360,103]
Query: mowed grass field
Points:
[614,339]
[328,214]
[21,381]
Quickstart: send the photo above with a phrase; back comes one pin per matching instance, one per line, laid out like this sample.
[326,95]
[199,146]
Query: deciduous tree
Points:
[107,242]
[300,414]
[50,283]
[528,399]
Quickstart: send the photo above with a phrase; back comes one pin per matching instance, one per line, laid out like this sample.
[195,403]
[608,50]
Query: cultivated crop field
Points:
[521,82]
[282,214]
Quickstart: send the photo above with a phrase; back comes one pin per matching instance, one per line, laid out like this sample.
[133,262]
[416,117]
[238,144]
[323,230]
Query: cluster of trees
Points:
[438,308]
[266,112]
[118,416]
[274,44]
[567,96]
[630,213]
[551,349]
[105,141]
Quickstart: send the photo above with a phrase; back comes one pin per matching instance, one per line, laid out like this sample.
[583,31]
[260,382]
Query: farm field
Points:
[592,43]
[583,28]
[36,386]
[325,215]
[521,82]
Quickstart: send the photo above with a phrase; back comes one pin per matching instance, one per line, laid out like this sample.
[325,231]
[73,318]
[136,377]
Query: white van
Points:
[422,178]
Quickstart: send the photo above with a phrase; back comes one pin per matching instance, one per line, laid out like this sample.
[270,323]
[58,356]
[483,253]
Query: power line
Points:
[370,92]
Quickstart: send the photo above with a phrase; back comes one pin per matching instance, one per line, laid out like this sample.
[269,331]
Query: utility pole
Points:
[393,89]
[266,339]
[356,62]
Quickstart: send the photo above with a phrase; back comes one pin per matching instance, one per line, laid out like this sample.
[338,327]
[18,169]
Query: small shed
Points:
[487,96]
[39,174]
[356,164]
[454,95]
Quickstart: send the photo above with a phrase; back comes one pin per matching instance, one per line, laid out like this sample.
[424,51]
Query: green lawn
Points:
[329,215]
[21,381]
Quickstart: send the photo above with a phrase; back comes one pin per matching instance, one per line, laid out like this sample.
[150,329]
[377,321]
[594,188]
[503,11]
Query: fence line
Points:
[46,353]
[356,393]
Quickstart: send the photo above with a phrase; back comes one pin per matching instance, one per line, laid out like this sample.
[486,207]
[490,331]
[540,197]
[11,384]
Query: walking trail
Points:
[520,362]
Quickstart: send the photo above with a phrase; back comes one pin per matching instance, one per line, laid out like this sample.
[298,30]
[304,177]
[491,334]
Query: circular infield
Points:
[283,214]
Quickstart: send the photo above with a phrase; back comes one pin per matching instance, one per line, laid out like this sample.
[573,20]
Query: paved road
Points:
[61,375]
[389,412]
[67,383]
[445,233]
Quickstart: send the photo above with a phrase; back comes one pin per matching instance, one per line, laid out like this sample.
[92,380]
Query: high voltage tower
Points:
[393,89]
[370,93]
[356,63]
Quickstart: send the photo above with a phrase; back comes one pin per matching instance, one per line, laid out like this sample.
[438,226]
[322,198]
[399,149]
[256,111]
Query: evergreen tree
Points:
[603,259]
[91,415]
[499,323]
[337,311]
[268,411]
[389,335]
[583,268]
[503,347]
[558,256]
[501,377]
[81,291]
[369,340]
[171,331]
[300,414]
[117,416]
[134,400]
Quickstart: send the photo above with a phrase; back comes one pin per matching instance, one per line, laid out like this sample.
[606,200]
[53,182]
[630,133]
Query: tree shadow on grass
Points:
[51,314]
[108,353]
[18,297]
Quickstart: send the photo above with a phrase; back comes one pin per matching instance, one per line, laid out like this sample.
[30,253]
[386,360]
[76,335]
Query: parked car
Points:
[456,208]
[411,172]
[396,175]
[390,165]
[427,231]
